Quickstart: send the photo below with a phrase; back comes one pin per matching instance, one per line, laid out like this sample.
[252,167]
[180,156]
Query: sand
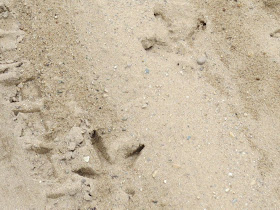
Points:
[139,104]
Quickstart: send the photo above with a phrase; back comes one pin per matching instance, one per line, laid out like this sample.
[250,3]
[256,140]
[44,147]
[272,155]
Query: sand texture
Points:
[159,104]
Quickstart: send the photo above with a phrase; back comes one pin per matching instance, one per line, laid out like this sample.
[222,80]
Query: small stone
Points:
[227,190]
[230,174]
[201,60]
[144,106]
[234,200]
[253,182]
[72,146]
[189,137]
[165,181]
[147,71]
[154,173]
[232,134]
[86,159]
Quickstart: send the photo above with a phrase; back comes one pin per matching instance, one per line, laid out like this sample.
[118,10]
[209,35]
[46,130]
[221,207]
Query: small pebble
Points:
[230,174]
[189,137]
[165,181]
[234,200]
[86,159]
[154,173]
[253,182]
[201,60]
[147,71]
[227,190]
[144,106]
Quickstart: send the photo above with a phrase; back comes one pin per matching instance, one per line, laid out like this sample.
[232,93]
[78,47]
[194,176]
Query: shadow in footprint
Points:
[86,172]
[98,144]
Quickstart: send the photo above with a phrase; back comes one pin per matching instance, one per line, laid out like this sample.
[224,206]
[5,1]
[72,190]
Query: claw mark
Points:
[86,172]
[159,12]
[98,144]
[136,152]
[201,25]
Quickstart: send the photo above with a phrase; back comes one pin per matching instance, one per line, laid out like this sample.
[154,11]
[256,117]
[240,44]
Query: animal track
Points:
[101,168]
[127,154]
[99,146]
[275,34]
[172,32]
[60,157]
[86,172]
[149,43]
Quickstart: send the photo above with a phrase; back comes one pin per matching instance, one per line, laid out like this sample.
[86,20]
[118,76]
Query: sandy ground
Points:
[160,104]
